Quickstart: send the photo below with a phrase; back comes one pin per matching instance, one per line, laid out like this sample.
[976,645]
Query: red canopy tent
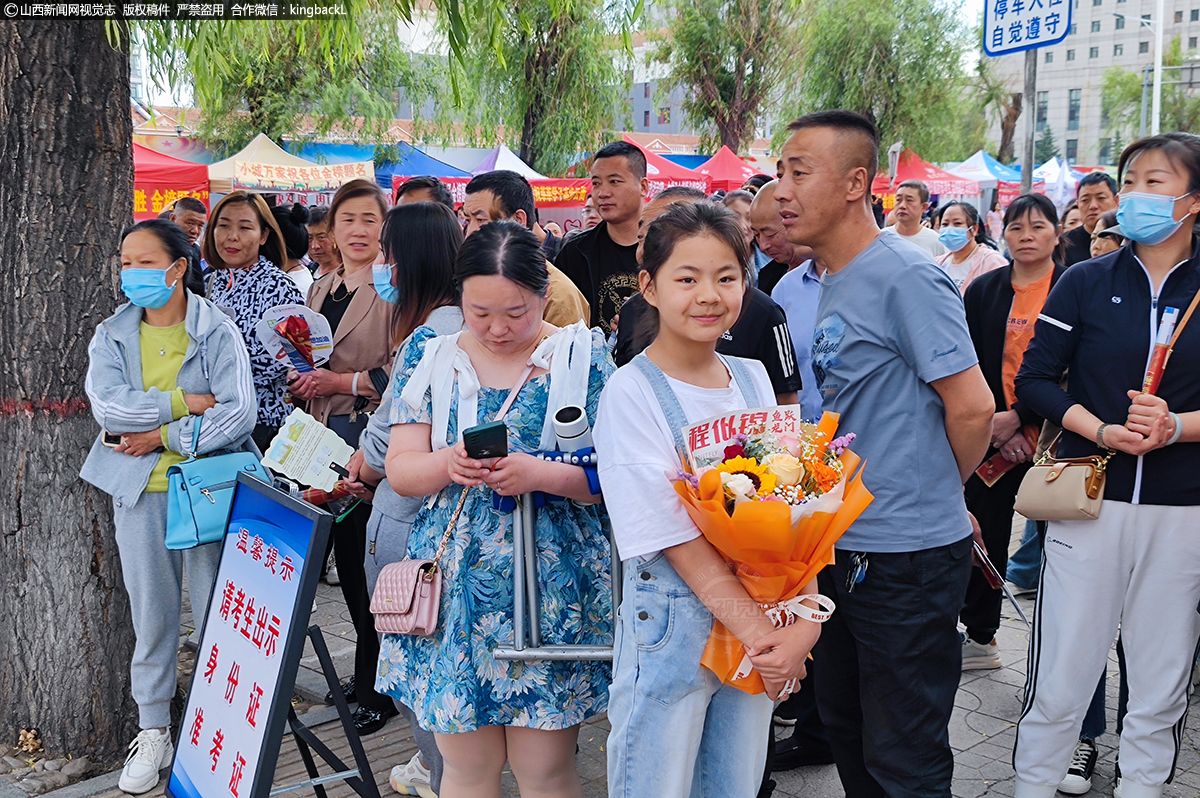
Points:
[159,180]
[939,181]
[726,170]
[663,173]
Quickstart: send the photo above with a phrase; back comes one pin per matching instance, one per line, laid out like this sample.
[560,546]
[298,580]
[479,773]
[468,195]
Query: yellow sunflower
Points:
[764,480]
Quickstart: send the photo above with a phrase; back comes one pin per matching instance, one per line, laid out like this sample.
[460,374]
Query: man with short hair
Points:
[912,201]
[602,261]
[191,214]
[1097,194]
[893,356]
[770,236]
[502,194]
[425,188]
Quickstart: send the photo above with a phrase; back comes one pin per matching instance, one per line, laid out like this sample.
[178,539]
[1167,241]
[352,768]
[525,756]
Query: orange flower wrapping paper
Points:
[772,557]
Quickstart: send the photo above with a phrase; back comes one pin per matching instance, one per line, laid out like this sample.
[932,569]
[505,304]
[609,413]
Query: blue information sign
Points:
[253,637]
[1010,26]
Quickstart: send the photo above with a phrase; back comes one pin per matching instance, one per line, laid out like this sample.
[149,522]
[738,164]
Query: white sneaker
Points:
[978,657]
[149,752]
[1079,775]
[412,779]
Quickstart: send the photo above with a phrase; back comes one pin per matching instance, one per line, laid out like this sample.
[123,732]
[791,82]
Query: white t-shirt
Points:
[925,238]
[638,459]
[303,279]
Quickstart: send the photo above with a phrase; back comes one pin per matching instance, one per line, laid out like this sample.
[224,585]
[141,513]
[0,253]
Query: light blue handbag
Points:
[199,492]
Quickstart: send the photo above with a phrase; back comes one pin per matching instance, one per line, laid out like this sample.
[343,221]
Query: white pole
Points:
[1156,113]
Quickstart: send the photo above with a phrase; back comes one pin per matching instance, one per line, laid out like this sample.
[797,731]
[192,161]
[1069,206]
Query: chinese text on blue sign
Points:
[1010,26]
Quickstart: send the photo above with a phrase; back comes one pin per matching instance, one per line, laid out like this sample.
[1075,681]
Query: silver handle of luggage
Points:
[527,645]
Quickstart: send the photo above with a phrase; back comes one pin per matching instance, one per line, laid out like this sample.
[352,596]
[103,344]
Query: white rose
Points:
[737,484]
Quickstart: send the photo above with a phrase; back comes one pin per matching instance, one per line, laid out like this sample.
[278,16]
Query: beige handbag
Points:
[1063,490]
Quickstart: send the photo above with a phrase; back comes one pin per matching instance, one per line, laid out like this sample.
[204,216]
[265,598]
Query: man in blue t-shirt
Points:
[892,355]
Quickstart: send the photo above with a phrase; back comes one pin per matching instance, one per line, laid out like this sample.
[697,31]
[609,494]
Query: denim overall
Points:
[676,730]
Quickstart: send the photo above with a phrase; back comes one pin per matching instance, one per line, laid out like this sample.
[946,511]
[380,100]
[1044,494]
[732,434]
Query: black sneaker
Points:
[349,690]
[368,721]
[1079,776]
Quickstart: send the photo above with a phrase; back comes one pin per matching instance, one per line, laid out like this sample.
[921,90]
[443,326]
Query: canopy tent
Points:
[1061,181]
[663,173]
[726,170]
[463,158]
[502,158]
[939,181]
[991,174]
[688,161]
[261,150]
[410,162]
[159,180]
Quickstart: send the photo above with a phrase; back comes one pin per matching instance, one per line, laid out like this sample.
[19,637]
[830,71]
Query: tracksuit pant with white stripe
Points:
[1137,566]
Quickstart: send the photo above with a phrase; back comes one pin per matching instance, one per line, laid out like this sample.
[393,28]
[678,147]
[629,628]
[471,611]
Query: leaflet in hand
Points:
[298,334]
[308,452]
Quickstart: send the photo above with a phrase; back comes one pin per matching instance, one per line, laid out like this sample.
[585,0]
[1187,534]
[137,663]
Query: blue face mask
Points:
[1148,218]
[954,238]
[382,276]
[147,288]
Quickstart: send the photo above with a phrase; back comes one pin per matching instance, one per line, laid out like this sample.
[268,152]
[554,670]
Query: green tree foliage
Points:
[1122,98]
[292,91]
[901,63]
[1045,147]
[733,58]
[542,76]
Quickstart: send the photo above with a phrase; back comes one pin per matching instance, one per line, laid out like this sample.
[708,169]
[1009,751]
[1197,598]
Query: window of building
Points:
[1072,151]
[1191,42]
[1196,15]
[646,90]
[646,119]
[1070,55]
[1072,30]
[1143,47]
[1074,99]
[664,115]
[1043,109]
[1120,23]
[1097,2]
[1049,57]
[1118,49]
[1146,17]
[1094,52]
[1095,26]
[1178,16]
[1105,156]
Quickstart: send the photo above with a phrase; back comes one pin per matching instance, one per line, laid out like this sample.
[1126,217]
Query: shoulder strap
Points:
[1186,316]
[512,395]
[196,435]
[676,419]
[745,383]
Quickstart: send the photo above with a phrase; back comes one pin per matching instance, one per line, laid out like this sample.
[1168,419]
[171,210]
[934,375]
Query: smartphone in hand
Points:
[486,441]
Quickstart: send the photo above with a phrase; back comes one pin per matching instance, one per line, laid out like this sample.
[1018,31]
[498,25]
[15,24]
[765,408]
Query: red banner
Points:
[547,192]
[151,199]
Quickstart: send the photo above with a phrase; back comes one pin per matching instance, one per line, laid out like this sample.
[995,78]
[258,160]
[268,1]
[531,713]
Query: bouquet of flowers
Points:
[773,495]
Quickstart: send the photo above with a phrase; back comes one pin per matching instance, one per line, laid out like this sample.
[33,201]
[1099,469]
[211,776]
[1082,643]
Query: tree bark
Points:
[65,632]
[1010,112]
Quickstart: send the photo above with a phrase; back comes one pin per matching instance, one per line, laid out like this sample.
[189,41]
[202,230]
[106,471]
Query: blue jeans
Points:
[676,730]
[1026,562]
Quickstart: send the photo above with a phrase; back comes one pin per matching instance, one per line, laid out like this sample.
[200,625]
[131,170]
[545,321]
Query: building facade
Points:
[1070,75]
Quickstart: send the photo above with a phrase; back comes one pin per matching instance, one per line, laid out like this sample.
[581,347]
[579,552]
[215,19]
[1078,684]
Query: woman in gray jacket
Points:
[158,364]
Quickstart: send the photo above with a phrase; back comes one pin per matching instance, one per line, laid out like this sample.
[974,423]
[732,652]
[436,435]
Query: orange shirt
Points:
[1026,305]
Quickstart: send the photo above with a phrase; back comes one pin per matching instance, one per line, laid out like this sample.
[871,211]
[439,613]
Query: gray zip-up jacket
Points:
[377,435]
[216,362]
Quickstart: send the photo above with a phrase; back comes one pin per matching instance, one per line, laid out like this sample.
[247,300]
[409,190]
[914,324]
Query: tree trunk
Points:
[65,632]
[1008,127]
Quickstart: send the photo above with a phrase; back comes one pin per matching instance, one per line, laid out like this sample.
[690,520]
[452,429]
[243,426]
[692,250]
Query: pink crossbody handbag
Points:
[408,594]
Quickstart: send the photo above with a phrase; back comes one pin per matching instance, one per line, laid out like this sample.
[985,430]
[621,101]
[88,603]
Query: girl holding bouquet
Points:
[695,270]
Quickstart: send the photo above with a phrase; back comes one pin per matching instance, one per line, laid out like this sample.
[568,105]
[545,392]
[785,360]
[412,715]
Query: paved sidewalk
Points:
[981,731]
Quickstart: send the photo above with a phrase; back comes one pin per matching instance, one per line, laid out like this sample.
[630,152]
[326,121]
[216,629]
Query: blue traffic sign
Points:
[1010,26]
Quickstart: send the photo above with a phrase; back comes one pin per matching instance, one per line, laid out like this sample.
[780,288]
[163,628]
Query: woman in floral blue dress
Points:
[485,711]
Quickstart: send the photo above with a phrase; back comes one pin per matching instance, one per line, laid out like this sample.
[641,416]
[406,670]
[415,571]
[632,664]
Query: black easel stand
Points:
[359,779]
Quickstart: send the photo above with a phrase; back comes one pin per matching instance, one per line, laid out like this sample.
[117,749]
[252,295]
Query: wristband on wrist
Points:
[354,383]
[804,612]
[1178,429]
[1100,436]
